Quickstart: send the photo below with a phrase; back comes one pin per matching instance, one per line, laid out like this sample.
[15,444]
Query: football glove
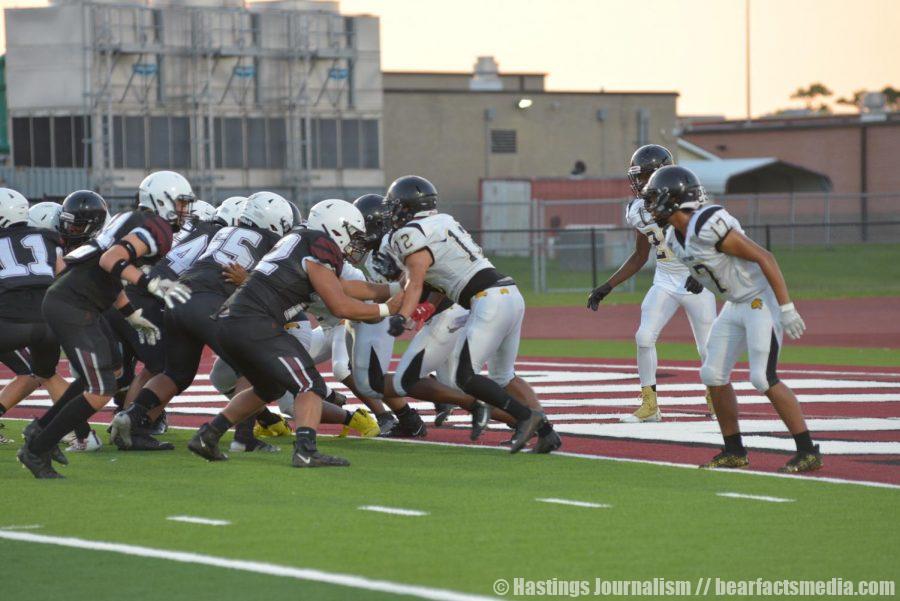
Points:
[396,325]
[597,295]
[791,321]
[385,266]
[147,332]
[692,285]
[170,292]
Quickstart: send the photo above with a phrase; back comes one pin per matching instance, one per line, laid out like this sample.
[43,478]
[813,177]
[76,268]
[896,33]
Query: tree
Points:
[811,94]
[854,100]
[892,98]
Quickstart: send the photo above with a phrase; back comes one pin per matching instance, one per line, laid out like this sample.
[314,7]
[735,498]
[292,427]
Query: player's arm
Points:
[118,259]
[417,265]
[631,266]
[330,289]
[361,290]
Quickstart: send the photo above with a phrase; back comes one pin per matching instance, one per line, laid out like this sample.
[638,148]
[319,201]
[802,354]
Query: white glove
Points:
[170,292]
[791,321]
[146,331]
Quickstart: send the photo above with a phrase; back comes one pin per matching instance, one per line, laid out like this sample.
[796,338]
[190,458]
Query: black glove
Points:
[396,325]
[692,285]
[598,294]
[386,267]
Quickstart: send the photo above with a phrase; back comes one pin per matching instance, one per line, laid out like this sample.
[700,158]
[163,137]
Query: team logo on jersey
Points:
[756,303]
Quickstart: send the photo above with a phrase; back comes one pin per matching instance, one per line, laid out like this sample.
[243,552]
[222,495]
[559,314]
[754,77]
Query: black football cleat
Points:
[120,430]
[31,431]
[144,442]
[39,465]
[547,444]
[205,443]
[160,426]
[313,458]
[481,416]
[525,429]
[441,412]
[803,461]
[408,426]
[386,422]
[726,460]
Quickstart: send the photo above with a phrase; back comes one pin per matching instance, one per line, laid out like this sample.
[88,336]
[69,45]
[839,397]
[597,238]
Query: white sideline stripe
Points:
[195,520]
[258,567]
[575,503]
[392,510]
[737,495]
[22,527]
[664,366]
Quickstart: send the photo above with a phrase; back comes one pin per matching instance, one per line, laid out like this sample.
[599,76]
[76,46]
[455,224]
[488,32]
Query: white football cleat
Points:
[647,412]
[87,445]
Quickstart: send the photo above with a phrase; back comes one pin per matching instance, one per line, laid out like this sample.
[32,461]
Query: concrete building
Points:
[456,128]
[282,95]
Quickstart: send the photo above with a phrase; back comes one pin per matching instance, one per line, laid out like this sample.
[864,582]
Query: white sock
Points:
[646,359]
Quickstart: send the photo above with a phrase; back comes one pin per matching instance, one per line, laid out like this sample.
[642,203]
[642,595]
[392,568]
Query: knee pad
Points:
[712,377]
[341,370]
[644,337]
[761,381]
[286,404]
[223,377]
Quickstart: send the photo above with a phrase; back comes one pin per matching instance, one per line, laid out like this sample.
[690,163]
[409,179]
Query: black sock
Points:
[266,418]
[653,386]
[74,389]
[76,411]
[347,418]
[306,439]
[545,429]
[485,389]
[220,424]
[733,444]
[330,396]
[243,432]
[384,414]
[804,442]
[146,400]
[82,430]
[403,411]
[2,410]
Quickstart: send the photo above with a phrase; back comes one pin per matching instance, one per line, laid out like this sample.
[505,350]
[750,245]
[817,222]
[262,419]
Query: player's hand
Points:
[597,295]
[396,325]
[385,266]
[394,303]
[791,321]
[170,292]
[423,313]
[235,274]
[692,285]
[147,332]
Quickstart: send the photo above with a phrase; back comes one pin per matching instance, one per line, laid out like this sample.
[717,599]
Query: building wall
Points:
[444,136]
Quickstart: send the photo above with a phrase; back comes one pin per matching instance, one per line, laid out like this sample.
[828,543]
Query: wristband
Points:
[394,288]
[787,307]
[118,267]
[127,309]
[383,310]
[143,282]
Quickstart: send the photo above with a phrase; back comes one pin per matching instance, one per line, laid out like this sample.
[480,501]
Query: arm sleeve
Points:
[408,240]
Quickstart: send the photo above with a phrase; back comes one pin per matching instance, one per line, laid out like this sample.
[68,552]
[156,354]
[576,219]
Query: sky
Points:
[694,47]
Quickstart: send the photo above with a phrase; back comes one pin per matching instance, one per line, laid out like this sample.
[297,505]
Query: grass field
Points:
[482,523]
[836,272]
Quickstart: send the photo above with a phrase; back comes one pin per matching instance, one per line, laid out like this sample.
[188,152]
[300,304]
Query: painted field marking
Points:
[258,567]
[575,503]
[737,495]
[190,519]
[392,510]
[22,527]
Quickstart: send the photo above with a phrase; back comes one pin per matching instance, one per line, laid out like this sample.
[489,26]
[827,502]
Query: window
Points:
[134,142]
[325,144]
[350,149]
[643,127]
[81,129]
[256,144]
[159,143]
[21,130]
[371,158]
[503,141]
[181,142]
[277,143]
[232,143]
[40,136]
[63,145]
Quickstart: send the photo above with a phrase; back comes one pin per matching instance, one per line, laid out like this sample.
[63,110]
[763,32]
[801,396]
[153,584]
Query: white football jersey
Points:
[670,272]
[456,256]
[726,276]
[318,309]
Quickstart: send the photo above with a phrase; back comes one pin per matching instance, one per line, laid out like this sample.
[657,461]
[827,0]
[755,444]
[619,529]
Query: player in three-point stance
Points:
[757,311]
[673,286]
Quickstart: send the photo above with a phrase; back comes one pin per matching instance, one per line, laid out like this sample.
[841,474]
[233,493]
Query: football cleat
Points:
[89,444]
[5,439]
[803,461]
[386,422]
[39,465]
[142,441]
[160,426]
[481,416]
[648,411]
[441,412]
[363,423]
[525,429]
[547,444]
[120,430]
[337,398]
[726,460]
[31,431]
[410,425]
[281,428]
[69,438]
[710,409]
[205,443]
[257,446]
[306,458]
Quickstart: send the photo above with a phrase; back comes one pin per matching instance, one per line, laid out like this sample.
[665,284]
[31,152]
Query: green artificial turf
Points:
[483,522]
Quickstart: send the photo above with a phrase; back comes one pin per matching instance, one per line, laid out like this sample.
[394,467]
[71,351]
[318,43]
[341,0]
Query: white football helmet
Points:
[45,215]
[230,209]
[344,223]
[268,211]
[13,207]
[203,211]
[168,194]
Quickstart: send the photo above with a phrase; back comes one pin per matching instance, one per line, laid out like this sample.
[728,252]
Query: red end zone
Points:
[851,411]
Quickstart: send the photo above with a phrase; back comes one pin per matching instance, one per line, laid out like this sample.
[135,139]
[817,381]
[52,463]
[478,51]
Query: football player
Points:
[673,285]
[435,249]
[252,332]
[264,219]
[90,284]
[757,312]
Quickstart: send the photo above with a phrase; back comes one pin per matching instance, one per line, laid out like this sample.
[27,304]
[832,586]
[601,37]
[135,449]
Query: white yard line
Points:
[737,495]
[22,527]
[190,519]
[257,567]
[575,503]
[392,510]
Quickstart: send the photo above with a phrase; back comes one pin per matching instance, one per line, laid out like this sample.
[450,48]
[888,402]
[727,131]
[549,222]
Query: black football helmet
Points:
[377,214]
[408,196]
[644,162]
[672,188]
[83,215]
